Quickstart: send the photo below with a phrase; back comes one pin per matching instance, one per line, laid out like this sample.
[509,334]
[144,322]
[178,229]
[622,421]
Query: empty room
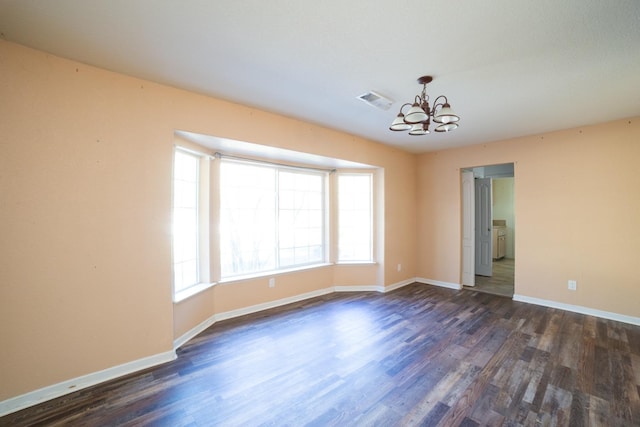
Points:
[331,213]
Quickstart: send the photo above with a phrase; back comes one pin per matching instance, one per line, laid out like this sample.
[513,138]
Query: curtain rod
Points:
[245,159]
[192,151]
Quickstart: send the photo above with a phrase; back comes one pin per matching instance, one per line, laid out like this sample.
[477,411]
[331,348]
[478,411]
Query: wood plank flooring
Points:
[502,280]
[420,355]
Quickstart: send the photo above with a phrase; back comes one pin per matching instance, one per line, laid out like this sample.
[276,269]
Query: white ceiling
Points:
[508,67]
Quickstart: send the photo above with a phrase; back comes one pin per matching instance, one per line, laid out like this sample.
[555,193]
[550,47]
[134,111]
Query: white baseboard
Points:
[184,338]
[187,336]
[362,288]
[272,304]
[374,288]
[456,286]
[56,390]
[578,309]
[398,285]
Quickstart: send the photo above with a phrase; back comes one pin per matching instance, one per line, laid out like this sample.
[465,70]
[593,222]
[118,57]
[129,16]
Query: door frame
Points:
[468,229]
[468,258]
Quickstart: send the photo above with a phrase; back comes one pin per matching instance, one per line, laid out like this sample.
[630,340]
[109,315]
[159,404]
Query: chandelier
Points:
[418,118]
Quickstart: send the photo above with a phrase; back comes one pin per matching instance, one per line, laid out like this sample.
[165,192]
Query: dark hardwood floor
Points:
[420,355]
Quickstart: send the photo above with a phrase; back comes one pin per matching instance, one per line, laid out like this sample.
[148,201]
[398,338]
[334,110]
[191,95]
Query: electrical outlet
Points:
[572,285]
[399,267]
[272,282]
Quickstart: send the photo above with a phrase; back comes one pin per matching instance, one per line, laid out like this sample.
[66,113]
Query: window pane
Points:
[355,223]
[287,199]
[185,220]
[247,218]
[270,218]
[185,167]
[301,217]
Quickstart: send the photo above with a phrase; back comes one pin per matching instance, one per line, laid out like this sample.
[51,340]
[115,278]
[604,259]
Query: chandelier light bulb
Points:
[418,129]
[445,115]
[446,127]
[416,114]
[399,124]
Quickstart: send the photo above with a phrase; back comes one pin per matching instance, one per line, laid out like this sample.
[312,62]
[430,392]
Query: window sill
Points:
[201,287]
[272,273]
[356,263]
[191,291]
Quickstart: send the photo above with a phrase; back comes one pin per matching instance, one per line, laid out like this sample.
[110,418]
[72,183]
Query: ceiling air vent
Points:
[375,99]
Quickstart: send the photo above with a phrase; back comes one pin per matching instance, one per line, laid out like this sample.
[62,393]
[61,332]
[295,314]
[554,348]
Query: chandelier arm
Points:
[404,105]
[440,105]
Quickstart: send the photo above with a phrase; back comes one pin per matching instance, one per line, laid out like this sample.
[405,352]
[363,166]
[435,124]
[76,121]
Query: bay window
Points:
[268,218]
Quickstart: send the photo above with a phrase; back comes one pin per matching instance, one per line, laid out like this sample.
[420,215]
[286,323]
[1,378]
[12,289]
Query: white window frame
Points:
[277,262]
[203,217]
[209,211]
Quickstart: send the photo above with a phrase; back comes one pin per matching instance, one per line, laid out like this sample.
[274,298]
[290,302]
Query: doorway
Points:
[488,229]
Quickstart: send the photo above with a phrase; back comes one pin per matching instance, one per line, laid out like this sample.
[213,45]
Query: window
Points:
[247,218]
[271,217]
[300,218]
[355,217]
[266,217]
[186,173]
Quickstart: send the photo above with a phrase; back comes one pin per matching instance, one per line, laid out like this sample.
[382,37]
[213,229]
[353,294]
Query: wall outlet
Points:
[399,267]
[572,285]
[272,282]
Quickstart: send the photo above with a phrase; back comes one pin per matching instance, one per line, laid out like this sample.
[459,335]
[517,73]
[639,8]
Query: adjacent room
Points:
[265,213]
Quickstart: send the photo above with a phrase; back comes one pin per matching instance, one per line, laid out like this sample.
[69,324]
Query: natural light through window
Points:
[239,218]
[185,220]
[247,216]
[270,218]
[355,217]
[301,223]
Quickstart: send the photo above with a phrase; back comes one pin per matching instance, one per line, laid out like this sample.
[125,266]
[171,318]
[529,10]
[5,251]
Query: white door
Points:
[468,225]
[483,235]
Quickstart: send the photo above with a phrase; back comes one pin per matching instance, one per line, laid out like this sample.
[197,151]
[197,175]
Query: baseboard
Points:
[398,285]
[362,288]
[187,336]
[449,285]
[271,304]
[56,390]
[579,309]
[374,288]
[184,338]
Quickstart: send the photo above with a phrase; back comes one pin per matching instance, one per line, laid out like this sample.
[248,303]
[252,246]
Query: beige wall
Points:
[577,207]
[85,178]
